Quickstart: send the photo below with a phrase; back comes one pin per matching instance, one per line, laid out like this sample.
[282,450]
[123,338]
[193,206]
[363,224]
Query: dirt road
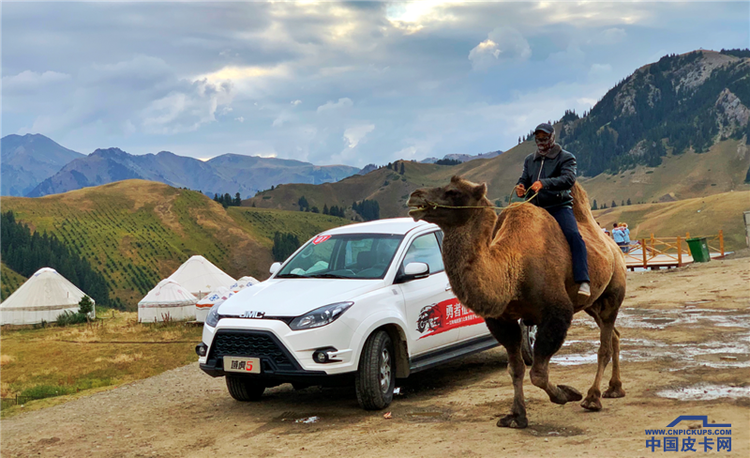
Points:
[686,334]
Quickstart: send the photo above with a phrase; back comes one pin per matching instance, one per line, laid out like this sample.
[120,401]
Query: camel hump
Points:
[581,205]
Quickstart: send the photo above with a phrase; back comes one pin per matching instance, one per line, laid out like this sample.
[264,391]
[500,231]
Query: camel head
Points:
[425,203]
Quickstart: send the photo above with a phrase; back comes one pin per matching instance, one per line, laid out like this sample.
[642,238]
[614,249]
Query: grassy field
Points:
[47,366]
[702,216]
[10,280]
[138,232]
[264,223]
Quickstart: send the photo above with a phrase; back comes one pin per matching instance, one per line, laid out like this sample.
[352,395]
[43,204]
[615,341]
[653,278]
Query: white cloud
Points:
[353,135]
[612,36]
[296,102]
[28,81]
[281,119]
[344,102]
[502,44]
[240,119]
[185,109]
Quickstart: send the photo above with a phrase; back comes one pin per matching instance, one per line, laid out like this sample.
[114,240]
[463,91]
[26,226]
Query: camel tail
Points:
[581,204]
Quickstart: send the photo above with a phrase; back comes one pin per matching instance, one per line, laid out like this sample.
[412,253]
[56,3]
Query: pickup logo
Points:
[252,314]
[444,316]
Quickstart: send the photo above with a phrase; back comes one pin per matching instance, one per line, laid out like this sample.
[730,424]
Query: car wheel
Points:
[244,389]
[528,337]
[376,375]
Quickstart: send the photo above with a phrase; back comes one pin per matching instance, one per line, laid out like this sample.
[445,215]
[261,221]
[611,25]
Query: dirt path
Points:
[680,329]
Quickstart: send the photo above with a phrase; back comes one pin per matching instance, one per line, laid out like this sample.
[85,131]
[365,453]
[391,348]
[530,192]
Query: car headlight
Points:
[213,316]
[320,316]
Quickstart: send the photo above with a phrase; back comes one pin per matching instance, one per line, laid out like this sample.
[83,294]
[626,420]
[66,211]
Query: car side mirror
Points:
[275,267]
[415,270]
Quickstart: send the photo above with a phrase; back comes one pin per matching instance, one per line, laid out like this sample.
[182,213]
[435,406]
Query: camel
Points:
[517,266]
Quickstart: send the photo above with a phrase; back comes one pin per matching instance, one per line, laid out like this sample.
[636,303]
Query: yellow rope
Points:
[435,206]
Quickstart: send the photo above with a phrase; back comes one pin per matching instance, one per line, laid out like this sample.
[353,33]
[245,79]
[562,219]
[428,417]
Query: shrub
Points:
[67,317]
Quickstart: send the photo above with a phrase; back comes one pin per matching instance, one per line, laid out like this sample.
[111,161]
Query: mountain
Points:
[681,103]
[230,173]
[28,160]
[256,173]
[688,139]
[462,157]
[138,232]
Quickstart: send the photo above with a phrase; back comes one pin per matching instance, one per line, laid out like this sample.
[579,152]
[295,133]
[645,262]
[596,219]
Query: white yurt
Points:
[243,282]
[44,296]
[200,277]
[216,296]
[167,299]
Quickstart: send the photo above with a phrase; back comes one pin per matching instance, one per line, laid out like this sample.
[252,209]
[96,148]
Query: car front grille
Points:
[251,344]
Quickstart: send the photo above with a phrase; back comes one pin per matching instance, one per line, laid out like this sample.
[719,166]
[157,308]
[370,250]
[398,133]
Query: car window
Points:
[425,249]
[365,256]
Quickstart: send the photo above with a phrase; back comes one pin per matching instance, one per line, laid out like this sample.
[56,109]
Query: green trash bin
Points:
[699,249]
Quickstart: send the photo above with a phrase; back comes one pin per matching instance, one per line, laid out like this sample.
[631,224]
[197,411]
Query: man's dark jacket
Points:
[556,171]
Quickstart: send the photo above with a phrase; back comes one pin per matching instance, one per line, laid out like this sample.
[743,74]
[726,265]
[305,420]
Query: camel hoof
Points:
[592,404]
[569,394]
[614,393]
[513,421]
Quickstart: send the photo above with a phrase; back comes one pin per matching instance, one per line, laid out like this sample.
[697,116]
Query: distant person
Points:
[550,172]
[625,235]
[619,236]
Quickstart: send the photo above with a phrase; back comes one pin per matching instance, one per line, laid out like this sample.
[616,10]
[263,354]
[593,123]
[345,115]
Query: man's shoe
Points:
[584,289]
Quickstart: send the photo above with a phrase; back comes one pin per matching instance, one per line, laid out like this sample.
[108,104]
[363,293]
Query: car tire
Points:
[376,375]
[244,389]
[528,336]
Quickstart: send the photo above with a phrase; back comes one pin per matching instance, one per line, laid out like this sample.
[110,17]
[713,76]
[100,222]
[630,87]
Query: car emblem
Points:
[253,314]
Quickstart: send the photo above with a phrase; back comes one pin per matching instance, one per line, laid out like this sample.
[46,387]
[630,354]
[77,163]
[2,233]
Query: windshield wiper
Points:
[327,276]
[291,276]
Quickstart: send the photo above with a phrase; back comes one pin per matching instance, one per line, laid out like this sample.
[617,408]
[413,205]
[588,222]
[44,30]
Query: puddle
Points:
[660,319]
[714,354]
[706,392]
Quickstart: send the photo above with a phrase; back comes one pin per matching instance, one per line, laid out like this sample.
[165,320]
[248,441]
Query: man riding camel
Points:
[550,172]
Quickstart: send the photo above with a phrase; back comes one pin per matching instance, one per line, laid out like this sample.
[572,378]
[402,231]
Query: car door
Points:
[429,301]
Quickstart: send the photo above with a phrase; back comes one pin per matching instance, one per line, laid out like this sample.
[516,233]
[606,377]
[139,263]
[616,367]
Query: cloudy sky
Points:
[351,83]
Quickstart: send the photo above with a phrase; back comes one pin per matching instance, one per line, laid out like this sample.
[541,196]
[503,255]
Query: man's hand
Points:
[536,186]
[520,190]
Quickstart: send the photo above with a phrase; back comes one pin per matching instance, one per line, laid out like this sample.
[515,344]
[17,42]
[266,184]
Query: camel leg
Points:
[550,336]
[508,333]
[615,384]
[593,397]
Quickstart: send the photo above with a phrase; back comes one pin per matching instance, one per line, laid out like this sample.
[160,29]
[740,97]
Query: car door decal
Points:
[444,316]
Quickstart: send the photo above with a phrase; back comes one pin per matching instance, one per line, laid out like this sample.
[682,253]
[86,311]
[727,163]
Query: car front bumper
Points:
[286,355]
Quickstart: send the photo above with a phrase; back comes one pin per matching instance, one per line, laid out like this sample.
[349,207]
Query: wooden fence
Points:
[668,252]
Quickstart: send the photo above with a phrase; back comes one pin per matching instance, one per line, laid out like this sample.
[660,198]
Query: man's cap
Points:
[545,127]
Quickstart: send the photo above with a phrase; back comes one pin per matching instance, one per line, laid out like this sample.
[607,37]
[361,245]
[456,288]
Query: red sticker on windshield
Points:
[320,239]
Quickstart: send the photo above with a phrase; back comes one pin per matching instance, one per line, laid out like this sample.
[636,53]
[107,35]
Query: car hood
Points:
[295,297]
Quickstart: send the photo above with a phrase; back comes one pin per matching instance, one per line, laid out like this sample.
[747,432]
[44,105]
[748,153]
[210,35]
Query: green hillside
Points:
[10,280]
[138,232]
[701,216]
[264,223]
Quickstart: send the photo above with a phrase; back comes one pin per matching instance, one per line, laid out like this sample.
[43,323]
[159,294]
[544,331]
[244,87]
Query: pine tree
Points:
[614,204]
[237,200]
[594,207]
[325,209]
[628,202]
[402,168]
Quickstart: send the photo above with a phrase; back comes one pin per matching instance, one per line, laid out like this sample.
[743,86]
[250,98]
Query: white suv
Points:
[364,303]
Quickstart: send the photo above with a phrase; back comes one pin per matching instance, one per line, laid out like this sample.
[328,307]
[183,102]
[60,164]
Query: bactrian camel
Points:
[518,266]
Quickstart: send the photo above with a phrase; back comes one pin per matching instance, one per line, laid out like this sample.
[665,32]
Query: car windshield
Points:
[359,256]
